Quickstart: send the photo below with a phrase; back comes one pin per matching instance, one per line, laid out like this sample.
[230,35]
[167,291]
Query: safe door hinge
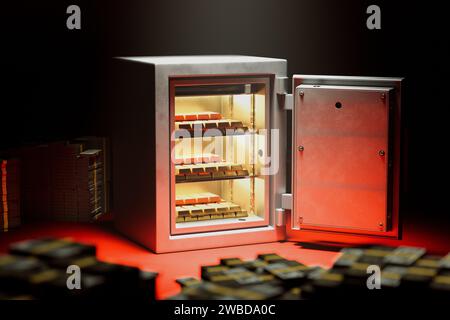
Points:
[284,99]
[280,213]
[280,217]
[286,201]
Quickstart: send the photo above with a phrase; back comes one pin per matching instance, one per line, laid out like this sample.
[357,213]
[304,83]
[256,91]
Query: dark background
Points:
[52,77]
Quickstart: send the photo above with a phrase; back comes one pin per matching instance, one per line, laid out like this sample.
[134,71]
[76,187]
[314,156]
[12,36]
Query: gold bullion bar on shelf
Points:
[241,214]
[220,207]
[228,215]
[198,116]
[209,171]
[184,200]
[190,126]
[203,175]
[198,127]
[194,211]
[197,158]
[182,211]
[184,125]
[208,211]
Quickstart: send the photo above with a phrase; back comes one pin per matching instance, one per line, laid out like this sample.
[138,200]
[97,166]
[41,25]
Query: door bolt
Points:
[383,96]
[302,93]
[301,148]
[381,153]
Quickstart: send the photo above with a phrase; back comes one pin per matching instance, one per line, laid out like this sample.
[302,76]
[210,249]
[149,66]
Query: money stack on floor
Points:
[47,269]
[10,216]
[406,272]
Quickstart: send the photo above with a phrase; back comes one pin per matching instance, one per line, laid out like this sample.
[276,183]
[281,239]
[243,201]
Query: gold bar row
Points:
[197,198]
[221,210]
[198,116]
[209,171]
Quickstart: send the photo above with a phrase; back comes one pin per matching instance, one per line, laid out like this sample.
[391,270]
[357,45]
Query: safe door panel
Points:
[341,136]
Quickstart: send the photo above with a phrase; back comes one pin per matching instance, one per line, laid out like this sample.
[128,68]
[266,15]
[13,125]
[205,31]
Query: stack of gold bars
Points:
[196,124]
[209,171]
[63,181]
[406,272]
[38,269]
[199,158]
[9,194]
[206,206]
[180,117]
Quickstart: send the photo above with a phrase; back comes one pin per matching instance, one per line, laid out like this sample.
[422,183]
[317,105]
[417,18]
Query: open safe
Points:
[204,155]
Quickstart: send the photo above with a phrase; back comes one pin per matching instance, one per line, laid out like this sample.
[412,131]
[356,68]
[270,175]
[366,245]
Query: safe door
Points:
[346,135]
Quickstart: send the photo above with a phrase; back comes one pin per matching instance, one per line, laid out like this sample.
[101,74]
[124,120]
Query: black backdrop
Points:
[52,77]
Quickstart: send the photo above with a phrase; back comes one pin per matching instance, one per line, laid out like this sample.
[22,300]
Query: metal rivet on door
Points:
[381,153]
[300,148]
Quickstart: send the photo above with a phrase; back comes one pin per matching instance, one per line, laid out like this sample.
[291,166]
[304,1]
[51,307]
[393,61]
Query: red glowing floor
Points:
[171,266]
